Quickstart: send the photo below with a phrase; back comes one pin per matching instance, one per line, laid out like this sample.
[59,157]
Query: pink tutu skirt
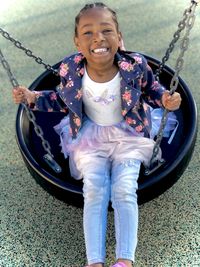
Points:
[117,142]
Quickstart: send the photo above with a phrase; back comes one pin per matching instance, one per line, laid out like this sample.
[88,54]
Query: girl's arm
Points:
[48,101]
[154,93]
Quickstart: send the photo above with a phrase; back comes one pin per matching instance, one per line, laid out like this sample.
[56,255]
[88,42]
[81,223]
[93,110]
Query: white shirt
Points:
[102,101]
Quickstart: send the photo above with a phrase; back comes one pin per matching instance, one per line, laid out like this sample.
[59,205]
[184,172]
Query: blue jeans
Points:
[106,180]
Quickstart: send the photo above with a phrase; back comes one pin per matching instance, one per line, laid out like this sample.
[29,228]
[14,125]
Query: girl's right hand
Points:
[22,94]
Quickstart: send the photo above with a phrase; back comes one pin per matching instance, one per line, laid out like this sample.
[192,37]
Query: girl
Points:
[107,131]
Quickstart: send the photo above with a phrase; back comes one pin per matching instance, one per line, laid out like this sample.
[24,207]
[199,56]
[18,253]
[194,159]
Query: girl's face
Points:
[97,37]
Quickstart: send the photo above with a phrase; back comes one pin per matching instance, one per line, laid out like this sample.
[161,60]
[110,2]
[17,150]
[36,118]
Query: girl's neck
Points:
[103,74]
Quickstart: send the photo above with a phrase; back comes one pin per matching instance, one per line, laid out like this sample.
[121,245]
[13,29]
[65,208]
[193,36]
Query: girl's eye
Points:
[107,31]
[87,33]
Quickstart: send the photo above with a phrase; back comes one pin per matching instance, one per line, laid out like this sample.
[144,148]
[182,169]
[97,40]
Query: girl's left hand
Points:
[171,102]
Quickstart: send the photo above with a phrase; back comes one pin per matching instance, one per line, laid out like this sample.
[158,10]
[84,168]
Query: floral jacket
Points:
[138,88]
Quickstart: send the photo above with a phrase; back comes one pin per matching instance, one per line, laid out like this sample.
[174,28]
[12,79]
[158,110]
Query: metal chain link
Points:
[6,66]
[27,51]
[181,26]
[30,114]
[188,24]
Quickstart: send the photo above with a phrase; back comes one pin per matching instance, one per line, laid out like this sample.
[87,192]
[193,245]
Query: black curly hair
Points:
[95,5]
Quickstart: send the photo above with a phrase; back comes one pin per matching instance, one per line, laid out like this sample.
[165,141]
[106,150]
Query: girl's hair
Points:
[95,5]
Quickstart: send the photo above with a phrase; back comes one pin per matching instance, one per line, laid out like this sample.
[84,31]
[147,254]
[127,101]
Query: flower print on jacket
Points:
[124,111]
[130,121]
[69,84]
[139,128]
[64,110]
[77,121]
[155,86]
[53,96]
[146,107]
[61,86]
[138,59]
[127,97]
[79,94]
[78,58]
[126,66]
[81,71]
[63,69]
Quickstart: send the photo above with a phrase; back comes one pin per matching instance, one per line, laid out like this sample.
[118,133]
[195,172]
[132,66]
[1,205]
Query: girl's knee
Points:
[94,194]
[124,182]
[124,194]
[96,188]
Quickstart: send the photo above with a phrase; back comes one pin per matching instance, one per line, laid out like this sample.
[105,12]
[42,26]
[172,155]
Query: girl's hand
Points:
[171,102]
[22,94]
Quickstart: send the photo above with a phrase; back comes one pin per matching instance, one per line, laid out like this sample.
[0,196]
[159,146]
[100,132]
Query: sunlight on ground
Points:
[5,5]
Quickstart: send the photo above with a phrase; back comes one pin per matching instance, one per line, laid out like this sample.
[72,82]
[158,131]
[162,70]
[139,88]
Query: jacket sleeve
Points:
[152,90]
[48,101]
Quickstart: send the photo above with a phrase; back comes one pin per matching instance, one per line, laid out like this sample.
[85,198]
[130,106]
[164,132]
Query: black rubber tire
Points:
[63,186]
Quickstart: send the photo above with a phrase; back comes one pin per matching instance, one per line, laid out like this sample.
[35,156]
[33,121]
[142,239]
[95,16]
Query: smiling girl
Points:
[107,131]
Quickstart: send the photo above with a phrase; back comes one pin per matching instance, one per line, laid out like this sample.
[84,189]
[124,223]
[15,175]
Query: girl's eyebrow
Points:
[102,24]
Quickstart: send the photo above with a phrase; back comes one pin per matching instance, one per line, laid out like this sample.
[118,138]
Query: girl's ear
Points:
[76,42]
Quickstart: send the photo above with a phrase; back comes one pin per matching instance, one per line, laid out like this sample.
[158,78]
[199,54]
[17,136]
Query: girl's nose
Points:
[98,37]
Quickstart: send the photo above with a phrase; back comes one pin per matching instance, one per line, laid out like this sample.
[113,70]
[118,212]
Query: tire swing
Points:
[51,170]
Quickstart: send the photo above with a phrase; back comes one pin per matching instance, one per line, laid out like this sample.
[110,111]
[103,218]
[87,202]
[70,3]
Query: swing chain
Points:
[181,26]
[174,82]
[29,113]
[27,51]
[6,66]
[48,158]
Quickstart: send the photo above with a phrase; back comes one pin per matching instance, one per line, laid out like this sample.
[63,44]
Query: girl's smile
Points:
[100,51]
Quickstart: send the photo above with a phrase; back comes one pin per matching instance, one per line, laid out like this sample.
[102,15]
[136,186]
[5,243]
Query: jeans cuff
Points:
[126,256]
[97,260]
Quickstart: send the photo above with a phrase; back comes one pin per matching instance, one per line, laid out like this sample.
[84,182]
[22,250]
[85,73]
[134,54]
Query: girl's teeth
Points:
[100,50]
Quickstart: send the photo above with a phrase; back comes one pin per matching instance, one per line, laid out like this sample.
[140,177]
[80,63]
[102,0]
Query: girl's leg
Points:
[96,192]
[124,201]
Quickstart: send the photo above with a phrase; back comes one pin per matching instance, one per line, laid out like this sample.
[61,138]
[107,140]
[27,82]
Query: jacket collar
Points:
[124,59]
